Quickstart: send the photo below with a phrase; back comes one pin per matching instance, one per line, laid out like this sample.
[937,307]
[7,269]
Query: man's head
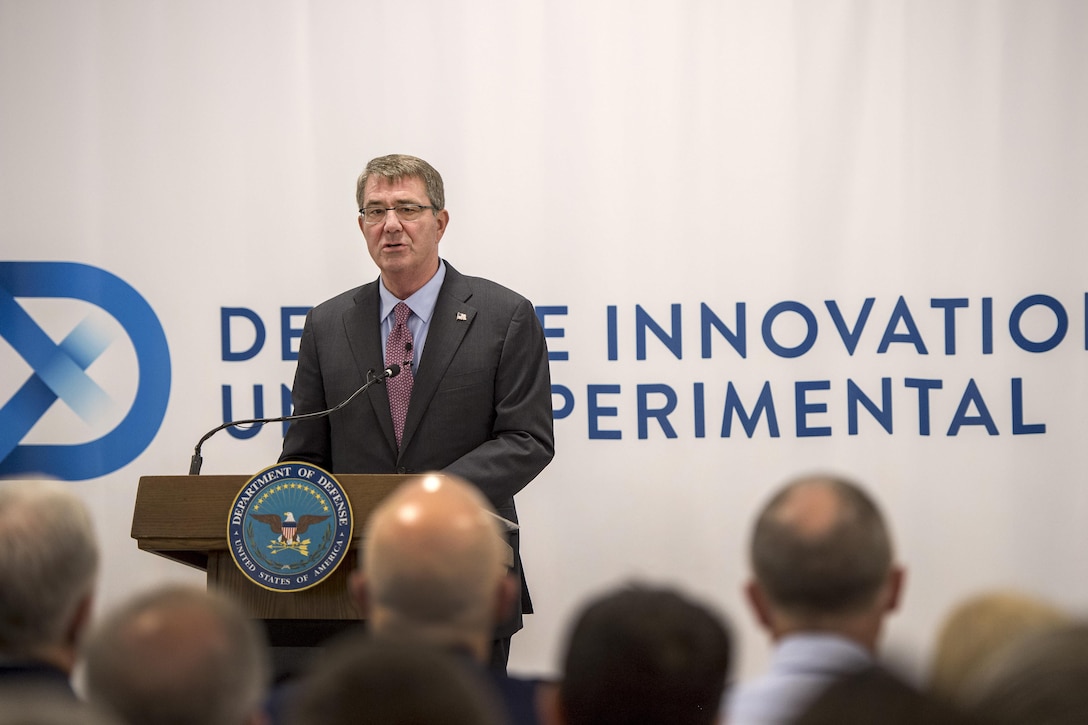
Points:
[49,556]
[876,695]
[644,655]
[404,242]
[979,628]
[822,559]
[178,654]
[390,683]
[434,566]
[1038,680]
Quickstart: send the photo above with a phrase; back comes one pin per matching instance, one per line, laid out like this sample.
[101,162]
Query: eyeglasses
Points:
[404,212]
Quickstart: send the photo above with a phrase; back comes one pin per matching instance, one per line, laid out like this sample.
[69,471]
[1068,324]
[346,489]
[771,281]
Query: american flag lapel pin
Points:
[462,317]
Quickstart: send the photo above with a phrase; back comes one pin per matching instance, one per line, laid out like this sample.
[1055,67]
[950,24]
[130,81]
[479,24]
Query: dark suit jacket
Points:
[481,403]
[18,674]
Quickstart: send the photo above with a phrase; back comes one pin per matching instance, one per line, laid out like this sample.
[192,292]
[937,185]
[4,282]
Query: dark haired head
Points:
[392,682]
[644,655]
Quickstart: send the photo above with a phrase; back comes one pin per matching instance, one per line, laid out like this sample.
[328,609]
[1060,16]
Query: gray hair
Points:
[400,166]
[837,569]
[178,655]
[49,559]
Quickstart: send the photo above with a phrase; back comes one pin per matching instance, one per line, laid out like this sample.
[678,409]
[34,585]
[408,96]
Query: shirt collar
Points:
[422,302]
[818,651]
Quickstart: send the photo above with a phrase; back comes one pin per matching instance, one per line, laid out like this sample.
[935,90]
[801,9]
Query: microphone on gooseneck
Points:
[389,372]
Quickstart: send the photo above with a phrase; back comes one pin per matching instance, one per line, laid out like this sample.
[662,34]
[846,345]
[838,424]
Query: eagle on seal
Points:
[289,530]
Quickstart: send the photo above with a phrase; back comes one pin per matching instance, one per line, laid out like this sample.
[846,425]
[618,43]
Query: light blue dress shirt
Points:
[802,665]
[419,322]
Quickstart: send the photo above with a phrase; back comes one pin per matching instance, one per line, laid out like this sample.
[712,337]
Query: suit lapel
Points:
[452,318]
[364,334]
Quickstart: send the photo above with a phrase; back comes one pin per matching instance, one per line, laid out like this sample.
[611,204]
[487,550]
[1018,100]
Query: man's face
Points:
[405,252]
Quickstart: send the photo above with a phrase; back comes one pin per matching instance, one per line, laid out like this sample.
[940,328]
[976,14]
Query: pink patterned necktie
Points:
[398,351]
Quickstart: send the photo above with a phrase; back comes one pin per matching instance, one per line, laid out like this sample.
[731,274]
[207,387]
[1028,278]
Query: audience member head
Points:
[381,682]
[1040,679]
[978,629]
[874,695]
[434,566]
[49,560]
[178,655]
[822,560]
[643,655]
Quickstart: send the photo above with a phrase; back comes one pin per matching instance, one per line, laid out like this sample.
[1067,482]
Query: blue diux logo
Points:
[59,370]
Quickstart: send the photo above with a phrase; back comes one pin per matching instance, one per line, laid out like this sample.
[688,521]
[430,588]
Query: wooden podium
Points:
[184,518]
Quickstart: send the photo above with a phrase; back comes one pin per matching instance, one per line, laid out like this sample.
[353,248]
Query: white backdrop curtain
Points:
[830,204]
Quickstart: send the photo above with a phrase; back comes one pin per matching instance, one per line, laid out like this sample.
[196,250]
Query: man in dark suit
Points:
[472,355]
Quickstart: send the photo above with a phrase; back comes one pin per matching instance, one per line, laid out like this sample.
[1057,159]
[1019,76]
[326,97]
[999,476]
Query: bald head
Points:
[433,563]
[821,547]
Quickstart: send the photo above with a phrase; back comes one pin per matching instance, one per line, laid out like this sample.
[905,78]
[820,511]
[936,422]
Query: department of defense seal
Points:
[290,527]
